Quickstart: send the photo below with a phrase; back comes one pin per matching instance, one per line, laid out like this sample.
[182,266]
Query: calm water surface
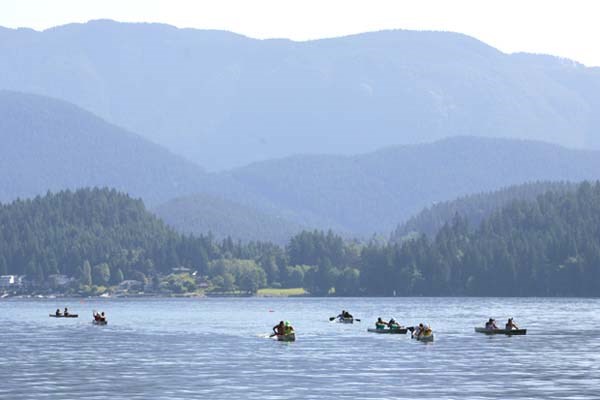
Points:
[217,349]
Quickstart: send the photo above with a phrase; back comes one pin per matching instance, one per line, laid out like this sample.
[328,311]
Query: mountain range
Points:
[48,144]
[223,100]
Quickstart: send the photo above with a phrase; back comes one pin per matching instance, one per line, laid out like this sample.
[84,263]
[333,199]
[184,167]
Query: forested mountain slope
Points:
[224,100]
[374,192]
[549,246]
[474,207]
[200,214]
[47,144]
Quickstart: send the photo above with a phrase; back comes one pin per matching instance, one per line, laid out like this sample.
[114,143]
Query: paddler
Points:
[58,314]
[510,325]
[279,329]
[288,328]
[421,330]
[381,324]
[491,324]
[66,312]
[344,315]
[99,317]
[393,324]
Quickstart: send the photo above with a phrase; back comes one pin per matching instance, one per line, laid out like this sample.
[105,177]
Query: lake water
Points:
[217,349]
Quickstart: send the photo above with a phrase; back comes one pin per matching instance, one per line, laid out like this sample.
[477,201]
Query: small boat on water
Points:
[421,333]
[97,322]
[64,316]
[509,332]
[290,337]
[426,337]
[400,331]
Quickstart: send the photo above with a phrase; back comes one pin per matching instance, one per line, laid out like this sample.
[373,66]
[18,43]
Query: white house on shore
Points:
[10,281]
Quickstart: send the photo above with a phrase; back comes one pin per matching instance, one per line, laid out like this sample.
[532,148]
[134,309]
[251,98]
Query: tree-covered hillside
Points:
[373,192]
[100,237]
[474,208]
[47,144]
[57,233]
[199,214]
[224,100]
[547,246]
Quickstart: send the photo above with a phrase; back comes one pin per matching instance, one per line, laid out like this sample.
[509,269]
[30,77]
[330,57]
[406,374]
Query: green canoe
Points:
[401,331]
[501,331]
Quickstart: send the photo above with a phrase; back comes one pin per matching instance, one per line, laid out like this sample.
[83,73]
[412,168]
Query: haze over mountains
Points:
[306,135]
[51,145]
[223,100]
[48,144]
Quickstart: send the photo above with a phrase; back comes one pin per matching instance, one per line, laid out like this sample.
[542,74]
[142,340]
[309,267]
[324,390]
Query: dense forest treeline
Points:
[546,246]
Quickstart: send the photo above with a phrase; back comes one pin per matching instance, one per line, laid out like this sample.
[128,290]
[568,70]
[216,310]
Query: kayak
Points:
[64,316]
[387,330]
[345,320]
[501,331]
[291,337]
[99,322]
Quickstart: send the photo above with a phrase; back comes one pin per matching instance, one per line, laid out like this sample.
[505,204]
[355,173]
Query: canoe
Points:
[99,322]
[501,331]
[424,338]
[286,338]
[64,316]
[392,331]
[345,320]
[427,337]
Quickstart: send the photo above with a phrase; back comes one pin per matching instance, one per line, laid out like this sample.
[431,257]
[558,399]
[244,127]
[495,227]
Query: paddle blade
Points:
[331,318]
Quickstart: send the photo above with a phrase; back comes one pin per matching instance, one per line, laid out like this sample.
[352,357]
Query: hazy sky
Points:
[568,28]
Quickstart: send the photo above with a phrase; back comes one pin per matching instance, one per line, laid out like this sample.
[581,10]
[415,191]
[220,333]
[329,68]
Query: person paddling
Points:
[58,314]
[418,330]
[491,324]
[100,317]
[393,324]
[510,325]
[66,312]
[344,315]
[381,324]
[279,329]
[288,329]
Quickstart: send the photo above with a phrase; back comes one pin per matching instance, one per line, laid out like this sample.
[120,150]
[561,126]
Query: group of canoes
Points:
[284,331]
[422,332]
[99,318]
